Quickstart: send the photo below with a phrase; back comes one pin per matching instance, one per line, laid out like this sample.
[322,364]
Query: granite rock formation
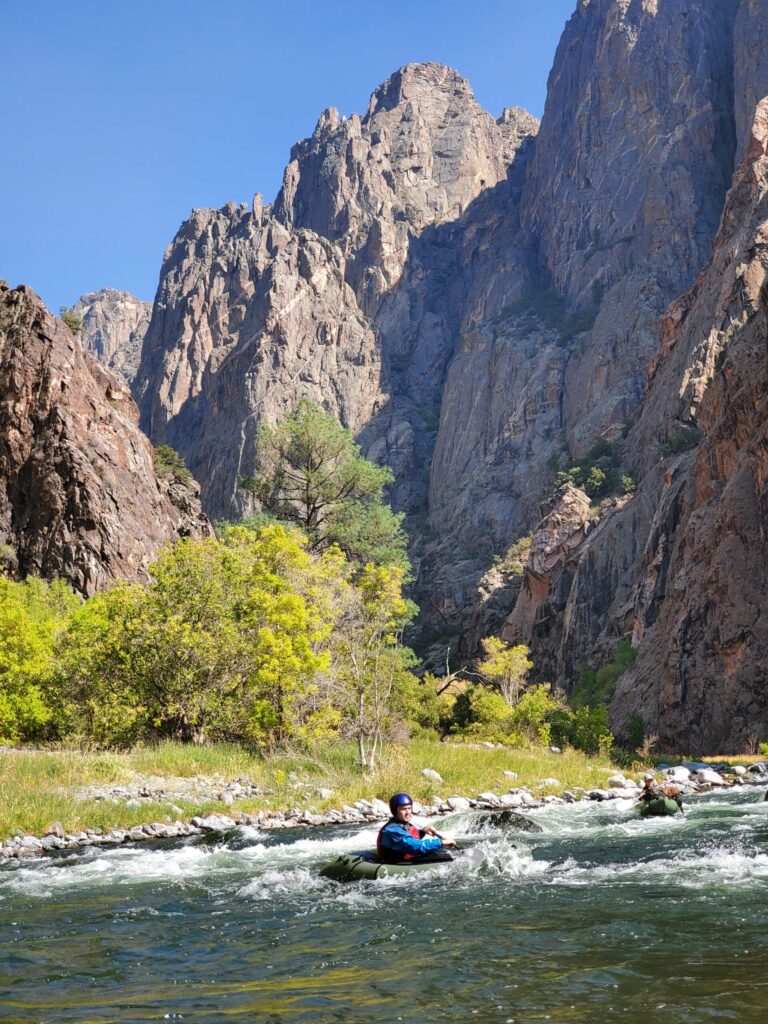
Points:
[79,498]
[482,301]
[114,325]
[339,292]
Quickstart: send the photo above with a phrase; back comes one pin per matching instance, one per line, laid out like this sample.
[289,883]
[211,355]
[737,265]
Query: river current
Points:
[609,918]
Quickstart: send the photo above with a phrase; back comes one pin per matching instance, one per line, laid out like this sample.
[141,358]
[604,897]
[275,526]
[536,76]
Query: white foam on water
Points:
[277,882]
[502,859]
[127,866]
[697,869]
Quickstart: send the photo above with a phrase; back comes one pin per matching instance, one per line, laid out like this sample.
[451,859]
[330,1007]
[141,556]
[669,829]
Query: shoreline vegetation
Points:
[40,787]
[56,792]
[263,674]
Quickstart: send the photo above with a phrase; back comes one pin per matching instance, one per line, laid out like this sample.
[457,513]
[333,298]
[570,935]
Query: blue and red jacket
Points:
[397,841]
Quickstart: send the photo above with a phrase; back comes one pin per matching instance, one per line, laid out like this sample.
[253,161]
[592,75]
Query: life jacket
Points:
[382,853]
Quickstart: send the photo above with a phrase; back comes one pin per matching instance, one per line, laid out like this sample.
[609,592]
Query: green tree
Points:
[168,462]
[506,667]
[32,616]
[224,643]
[370,667]
[71,319]
[312,473]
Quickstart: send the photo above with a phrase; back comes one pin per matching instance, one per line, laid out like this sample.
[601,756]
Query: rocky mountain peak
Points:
[418,82]
[421,154]
[114,325]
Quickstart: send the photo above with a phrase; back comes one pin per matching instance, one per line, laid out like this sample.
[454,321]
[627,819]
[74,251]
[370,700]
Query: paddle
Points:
[430,830]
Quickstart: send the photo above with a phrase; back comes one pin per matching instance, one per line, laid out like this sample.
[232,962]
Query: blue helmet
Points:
[399,800]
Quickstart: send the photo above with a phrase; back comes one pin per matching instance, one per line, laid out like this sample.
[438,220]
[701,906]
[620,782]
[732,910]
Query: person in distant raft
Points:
[650,790]
[401,842]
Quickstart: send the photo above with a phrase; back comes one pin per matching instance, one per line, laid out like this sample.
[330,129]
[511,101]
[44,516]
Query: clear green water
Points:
[610,919]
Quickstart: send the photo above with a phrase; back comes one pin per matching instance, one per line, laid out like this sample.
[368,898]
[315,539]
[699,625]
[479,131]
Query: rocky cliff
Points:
[114,325]
[341,292]
[79,497]
[482,301]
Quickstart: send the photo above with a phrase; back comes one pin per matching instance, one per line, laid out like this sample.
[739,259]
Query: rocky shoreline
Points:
[689,779]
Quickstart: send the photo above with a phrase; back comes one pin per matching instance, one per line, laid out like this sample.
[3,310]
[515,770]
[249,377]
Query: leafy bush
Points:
[168,462]
[635,731]
[483,713]
[71,319]
[597,473]
[32,617]
[516,556]
[585,728]
[596,687]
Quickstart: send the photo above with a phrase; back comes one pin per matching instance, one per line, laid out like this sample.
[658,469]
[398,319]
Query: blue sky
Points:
[120,117]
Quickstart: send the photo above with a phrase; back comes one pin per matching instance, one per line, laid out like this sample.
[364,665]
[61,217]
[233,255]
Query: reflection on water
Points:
[609,918]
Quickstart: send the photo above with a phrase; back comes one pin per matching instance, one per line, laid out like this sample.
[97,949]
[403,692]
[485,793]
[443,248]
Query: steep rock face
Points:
[750,67]
[79,497]
[564,525]
[345,292]
[699,676]
[114,325]
[682,567]
[626,186]
[260,316]
[423,151]
[568,265]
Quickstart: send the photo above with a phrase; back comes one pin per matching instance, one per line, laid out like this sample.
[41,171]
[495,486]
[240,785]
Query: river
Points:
[609,918]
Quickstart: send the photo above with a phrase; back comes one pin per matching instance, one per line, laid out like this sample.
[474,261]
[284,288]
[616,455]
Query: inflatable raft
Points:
[658,808]
[351,867]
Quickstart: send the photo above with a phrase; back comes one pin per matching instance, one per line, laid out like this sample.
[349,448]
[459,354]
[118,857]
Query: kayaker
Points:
[650,790]
[400,841]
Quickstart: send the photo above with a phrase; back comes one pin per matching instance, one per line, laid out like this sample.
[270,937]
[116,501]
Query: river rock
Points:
[617,782]
[509,774]
[430,773]
[549,782]
[458,804]
[488,798]
[678,774]
[511,800]
[215,823]
[709,777]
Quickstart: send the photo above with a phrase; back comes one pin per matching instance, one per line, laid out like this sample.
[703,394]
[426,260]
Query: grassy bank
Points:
[39,787]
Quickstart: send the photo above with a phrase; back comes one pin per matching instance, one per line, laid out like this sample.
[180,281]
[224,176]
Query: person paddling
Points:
[650,790]
[399,841]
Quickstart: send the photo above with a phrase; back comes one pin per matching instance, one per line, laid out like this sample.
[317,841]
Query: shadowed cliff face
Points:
[79,498]
[627,183]
[681,567]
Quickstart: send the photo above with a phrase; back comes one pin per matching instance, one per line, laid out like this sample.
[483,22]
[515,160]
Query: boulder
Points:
[458,804]
[709,777]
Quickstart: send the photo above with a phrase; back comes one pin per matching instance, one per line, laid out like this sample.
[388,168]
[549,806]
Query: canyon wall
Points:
[79,497]
[482,301]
